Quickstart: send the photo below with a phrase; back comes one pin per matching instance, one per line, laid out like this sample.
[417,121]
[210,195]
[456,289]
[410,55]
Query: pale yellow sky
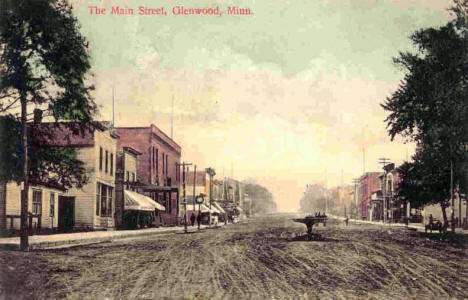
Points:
[289,96]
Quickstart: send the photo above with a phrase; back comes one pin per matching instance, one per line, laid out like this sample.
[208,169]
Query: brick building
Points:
[370,183]
[158,165]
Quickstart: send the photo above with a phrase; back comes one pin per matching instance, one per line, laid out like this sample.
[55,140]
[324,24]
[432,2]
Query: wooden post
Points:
[194,183]
[24,241]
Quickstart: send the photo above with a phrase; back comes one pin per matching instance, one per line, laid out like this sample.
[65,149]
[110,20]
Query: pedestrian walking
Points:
[192,218]
[346,220]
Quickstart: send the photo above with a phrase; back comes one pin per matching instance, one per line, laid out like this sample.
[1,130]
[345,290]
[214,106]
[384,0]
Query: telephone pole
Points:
[194,183]
[183,165]
[113,106]
[355,183]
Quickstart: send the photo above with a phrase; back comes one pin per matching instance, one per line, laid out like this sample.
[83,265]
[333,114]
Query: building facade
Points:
[89,206]
[158,166]
[43,207]
[126,170]
[369,184]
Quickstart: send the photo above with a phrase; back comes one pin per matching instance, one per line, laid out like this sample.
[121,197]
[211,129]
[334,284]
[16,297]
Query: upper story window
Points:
[157,159]
[167,163]
[111,163]
[152,156]
[107,161]
[100,158]
[163,161]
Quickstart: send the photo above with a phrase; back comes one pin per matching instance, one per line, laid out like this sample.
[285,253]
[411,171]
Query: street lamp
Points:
[212,173]
[199,200]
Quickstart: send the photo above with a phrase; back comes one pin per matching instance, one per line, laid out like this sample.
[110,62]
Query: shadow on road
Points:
[458,240]
[315,238]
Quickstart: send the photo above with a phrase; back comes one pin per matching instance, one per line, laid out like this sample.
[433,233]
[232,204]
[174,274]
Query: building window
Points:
[105,199]
[110,192]
[163,162]
[98,197]
[152,156]
[167,163]
[111,163]
[100,158]
[157,160]
[52,204]
[107,164]
[37,202]
[133,177]
[128,176]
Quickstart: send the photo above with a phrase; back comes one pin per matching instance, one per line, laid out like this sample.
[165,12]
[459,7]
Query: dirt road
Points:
[268,258]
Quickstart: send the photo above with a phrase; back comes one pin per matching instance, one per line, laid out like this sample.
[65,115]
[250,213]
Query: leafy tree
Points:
[262,199]
[44,62]
[430,107]
[315,199]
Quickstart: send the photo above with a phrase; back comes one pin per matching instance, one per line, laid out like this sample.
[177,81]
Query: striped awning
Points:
[136,201]
[218,207]
[204,209]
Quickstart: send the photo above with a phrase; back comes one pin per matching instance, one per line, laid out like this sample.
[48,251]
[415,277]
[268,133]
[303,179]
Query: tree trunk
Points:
[24,243]
[3,220]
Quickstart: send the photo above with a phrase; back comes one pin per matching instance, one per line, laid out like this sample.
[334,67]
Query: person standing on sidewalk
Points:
[192,219]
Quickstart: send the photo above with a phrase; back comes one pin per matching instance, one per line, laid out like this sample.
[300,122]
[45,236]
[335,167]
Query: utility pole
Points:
[326,191]
[384,162]
[355,182]
[113,106]
[194,182]
[24,239]
[363,160]
[341,191]
[183,165]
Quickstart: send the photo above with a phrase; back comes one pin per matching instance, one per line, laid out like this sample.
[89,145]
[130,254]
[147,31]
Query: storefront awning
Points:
[135,201]
[218,207]
[204,208]
[214,209]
